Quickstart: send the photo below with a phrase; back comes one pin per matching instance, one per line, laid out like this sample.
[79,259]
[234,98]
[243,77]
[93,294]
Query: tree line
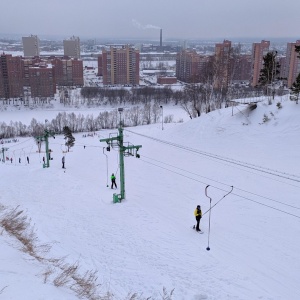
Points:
[134,116]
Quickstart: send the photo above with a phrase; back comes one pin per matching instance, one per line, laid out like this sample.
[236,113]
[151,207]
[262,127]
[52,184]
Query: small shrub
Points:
[279,106]
[66,274]
[266,118]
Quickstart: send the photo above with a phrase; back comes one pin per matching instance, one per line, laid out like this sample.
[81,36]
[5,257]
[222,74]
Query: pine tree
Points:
[297,49]
[270,71]
[70,140]
[295,89]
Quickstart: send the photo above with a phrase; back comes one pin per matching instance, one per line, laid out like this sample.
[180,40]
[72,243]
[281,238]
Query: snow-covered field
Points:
[146,242]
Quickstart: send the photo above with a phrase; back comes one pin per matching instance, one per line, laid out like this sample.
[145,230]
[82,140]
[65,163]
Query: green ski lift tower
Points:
[3,150]
[125,149]
[44,138]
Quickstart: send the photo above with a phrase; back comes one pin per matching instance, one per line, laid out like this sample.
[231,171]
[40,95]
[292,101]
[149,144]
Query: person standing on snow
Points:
[198,216]
[63,162]
[113,181]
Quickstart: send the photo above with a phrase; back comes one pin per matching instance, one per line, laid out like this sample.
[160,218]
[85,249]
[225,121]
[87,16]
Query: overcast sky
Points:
[184,19]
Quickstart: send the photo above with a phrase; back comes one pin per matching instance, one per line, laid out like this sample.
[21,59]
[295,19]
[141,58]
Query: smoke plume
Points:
[138,25]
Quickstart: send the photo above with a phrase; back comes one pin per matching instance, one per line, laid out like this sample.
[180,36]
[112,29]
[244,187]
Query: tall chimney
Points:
[160,44]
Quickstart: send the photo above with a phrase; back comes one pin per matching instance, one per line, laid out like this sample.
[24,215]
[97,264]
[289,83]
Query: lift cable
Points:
[246,198]
[254,194]
[229,160]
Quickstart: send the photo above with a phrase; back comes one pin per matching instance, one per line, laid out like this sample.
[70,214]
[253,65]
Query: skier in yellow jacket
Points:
[198,216]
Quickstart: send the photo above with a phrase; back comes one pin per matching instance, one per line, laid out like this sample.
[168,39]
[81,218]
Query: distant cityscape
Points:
[35,68]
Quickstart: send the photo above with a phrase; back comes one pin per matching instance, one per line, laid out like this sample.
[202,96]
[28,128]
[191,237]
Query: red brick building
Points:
[100,67]
[222,74]
[42,81]
[68,72]
[11,76]
[188,64]
[166,80]
[241,68]
[292,63]
[120,65]
[259,50]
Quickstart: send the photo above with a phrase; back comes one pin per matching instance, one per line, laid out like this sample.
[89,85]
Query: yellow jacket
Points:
[198,213]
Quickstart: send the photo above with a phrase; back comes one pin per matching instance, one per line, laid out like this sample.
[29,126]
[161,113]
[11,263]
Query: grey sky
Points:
[188,19]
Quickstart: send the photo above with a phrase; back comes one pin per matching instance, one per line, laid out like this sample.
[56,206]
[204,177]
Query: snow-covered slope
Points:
[146,242]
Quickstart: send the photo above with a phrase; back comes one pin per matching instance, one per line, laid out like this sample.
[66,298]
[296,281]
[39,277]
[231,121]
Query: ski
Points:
[194,227]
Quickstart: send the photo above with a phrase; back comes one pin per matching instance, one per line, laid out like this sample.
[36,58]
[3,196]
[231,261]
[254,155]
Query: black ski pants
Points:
[198,218]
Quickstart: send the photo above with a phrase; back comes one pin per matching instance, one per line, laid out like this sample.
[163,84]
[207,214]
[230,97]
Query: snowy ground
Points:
[146,242]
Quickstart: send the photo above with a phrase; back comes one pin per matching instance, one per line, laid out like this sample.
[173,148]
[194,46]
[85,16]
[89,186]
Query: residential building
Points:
[28,63]
[188,66]
[11,76]
[72,47]
[292,63]
[31,46]
[223,55]
[259,50]
[100,67]
[241,68]
[68,71]
[120,65]
[41,80]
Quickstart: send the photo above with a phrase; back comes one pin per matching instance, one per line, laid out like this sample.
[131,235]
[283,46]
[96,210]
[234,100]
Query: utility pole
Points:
[2,151]
[129,150]
[44,138]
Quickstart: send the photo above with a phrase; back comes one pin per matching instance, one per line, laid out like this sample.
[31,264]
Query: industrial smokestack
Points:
[160,44]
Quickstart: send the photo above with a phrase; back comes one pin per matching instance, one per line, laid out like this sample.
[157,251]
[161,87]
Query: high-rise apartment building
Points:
[100,67]
[72,47]
[241,68]
[223,54]
[192,67]
[292,63]
[11,76]
[120,65]
[259,50]
[68,72]
[31,46]
[188,66]
[41,80]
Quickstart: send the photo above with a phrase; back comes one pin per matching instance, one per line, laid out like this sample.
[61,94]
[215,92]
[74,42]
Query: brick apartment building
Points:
[292,63]
[241,68]
[188,66]
[11,76]
[223,64]
[37,75]
[259,50]
[41,80]
[68,72]
[100,67]
[120,65]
